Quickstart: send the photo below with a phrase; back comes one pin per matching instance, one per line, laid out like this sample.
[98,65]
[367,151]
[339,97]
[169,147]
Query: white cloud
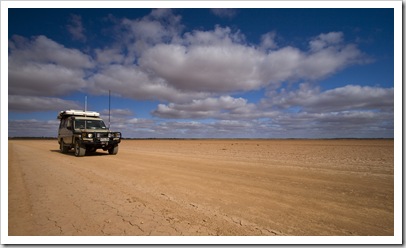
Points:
[205,108]
[219,36]
[210,68]
[42,67]
[215,129]
[195,75]
[224,12]
[352,124]
[292,64]
[117,112]
[323,41]
[76,28]
[153,60]
[109,56]
[35,103]
[329,60]
[44,80]
[348,111]
[33,128]
[349,97]
[220,61]
[342,124]
[133,82]
[268,41]
[160,26]
[214,62]
[134,127]
[224,107]
[169,111]
[44,50]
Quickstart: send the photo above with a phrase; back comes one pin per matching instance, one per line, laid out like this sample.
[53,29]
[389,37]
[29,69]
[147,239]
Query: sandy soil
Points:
[204,187]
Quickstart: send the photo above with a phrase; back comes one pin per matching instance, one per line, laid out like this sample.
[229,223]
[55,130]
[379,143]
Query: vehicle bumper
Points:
[97,143]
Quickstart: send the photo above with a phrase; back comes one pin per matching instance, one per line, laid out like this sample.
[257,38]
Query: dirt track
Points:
[204,187]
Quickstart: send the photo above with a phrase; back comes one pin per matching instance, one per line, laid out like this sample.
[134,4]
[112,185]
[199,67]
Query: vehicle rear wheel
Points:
[79,151]
[113,150]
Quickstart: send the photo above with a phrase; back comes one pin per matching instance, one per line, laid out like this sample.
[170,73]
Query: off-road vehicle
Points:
[85,131]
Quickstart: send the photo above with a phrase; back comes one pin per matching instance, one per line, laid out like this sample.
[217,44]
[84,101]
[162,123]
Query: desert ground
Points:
[203,187]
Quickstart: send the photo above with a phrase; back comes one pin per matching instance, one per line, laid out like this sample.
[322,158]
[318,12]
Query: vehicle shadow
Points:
[88,154]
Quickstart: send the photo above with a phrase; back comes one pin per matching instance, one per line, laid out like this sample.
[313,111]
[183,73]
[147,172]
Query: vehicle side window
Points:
[63,123]
[69,123]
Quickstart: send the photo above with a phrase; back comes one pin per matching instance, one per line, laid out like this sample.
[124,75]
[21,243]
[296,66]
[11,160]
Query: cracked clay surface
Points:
[203,187]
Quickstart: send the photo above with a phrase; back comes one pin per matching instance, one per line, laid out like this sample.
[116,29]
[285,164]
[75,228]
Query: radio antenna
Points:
[109,109]
[85,110]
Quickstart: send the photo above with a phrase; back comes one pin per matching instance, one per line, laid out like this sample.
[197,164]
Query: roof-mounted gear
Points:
[72,112]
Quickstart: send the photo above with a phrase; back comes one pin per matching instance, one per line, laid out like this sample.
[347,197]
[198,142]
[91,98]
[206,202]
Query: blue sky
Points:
[205,73]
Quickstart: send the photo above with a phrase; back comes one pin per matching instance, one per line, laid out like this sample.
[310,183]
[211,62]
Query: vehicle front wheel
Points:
[79,151]
[113,150]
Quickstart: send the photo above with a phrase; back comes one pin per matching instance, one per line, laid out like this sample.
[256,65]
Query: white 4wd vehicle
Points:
[85,131]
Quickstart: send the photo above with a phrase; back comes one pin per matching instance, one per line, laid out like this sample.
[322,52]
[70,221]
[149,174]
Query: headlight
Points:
[118,135]
[111,135]
[87,135]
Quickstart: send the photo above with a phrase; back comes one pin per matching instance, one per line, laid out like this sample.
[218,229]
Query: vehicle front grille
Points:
[102,135]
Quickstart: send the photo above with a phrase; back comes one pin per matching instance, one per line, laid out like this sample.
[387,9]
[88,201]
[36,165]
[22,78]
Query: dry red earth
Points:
[204,187]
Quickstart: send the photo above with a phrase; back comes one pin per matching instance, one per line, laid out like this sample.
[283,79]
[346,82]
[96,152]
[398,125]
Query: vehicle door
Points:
[66,130]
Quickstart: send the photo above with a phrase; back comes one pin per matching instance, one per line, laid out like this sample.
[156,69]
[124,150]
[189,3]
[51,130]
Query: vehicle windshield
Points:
[90,124]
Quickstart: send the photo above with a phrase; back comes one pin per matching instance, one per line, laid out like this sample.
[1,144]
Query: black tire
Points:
[63,148]
[79,151]
[113,150]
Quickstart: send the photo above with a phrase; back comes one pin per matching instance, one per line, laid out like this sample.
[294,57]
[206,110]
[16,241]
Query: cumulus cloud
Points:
[109,56]
[119,118]
[268,41]
[210,61]
[206,108]
[160,26]
[220,61]
[34,103]
[212,64]
[224,12]
[217,61]
[195,129]
[296,125]
[123,120]
[195,75]
[333,113]
[33,128]
[76,29]
[42,67]
[133,82]
[224,107]
[323,41]
[153,59]
[117,112]
[349,97]
[44,80]
[41,49]
[342,124]
[292,64]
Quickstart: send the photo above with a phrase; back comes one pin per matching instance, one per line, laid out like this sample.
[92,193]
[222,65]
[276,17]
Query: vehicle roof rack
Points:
[73,112]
